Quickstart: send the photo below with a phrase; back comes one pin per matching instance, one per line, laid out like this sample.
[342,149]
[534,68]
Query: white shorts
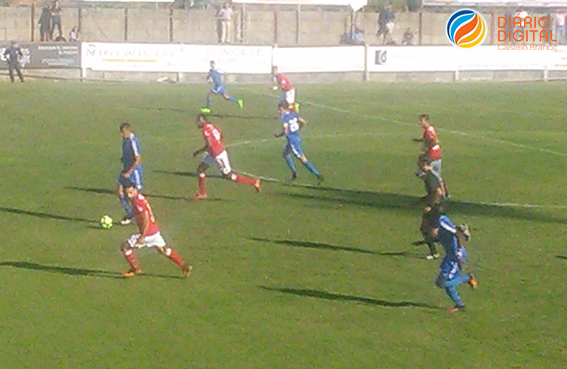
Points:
[220,161]
[155,240]
[288,96]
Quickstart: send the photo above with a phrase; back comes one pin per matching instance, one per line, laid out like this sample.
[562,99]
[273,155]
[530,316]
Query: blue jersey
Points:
[455,255]
[291,124]
[130,149]
[215,75]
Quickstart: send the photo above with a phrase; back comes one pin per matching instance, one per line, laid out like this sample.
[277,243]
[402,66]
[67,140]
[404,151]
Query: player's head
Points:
[423,162]
[463,233]
[201,120]
[424,120]
[14,42]
[212,64]
[125,129]
[283,107]
[274,70]
[130,189]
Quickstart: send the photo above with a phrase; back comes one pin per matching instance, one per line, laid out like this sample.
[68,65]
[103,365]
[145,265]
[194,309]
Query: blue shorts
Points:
[449,269]
[294,146]
[218,90]
[135,178]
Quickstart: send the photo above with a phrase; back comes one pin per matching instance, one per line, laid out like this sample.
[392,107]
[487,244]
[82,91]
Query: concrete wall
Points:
[198,26]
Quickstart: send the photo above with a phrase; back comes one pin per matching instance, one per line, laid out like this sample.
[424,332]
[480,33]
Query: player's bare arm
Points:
[200,151]
[144,225]
[284,131]
[302,122]
[435,196]
[128,172]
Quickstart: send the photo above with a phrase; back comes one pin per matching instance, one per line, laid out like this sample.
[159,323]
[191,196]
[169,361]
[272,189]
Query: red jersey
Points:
[213,137]
[431,143]
[139,206]
[283,82]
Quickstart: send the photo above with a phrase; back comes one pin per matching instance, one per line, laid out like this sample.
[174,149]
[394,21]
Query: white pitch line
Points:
[499,140]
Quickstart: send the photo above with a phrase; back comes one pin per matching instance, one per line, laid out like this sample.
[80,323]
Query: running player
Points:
[452,238]
[291,124]
[132,171]
[288,92]
[430,145]
[215,154]
[148,236]
[218,88]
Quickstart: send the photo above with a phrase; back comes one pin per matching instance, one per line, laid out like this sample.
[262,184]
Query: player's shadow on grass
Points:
[43,215]
[326,246]
[348,298]
[561,257]
[106,191]
[410,203]
[187,174]
[84,272]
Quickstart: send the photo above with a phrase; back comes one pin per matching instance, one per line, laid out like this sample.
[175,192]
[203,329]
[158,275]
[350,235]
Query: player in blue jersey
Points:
[452,238]
[131,169]
[219,88]
[291,124]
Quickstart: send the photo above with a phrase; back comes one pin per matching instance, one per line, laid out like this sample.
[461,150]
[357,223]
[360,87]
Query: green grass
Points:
[297,276]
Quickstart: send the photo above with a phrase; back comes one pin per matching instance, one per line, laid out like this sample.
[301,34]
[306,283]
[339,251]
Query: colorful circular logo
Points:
[466,28]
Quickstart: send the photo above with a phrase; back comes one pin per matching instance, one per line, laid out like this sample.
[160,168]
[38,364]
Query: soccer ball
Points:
[106,222]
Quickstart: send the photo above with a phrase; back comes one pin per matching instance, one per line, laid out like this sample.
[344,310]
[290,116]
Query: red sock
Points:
[202,189]
[175,257]
[243,179]
[131,259]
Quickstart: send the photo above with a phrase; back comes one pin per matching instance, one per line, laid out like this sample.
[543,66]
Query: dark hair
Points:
[201,116]
[424,158]
[127,184]
[125,125]
[424,116]
[283,104]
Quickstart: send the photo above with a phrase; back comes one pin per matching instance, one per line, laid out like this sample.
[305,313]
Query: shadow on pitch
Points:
[348,298]
[44,215]
[326,246]
[81,272]
[106,191]
[187,174]
[409,203]
[562,257]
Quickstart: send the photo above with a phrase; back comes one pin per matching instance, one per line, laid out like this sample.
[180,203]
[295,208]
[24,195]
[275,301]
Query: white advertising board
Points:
[175,58]
[450,59]
[319,59]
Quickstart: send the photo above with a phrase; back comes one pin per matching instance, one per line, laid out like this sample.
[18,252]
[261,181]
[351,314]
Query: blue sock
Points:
[457,280]
[208,102]
[290,164]
[125,205]
[311,168]
[233,99]
[452,292]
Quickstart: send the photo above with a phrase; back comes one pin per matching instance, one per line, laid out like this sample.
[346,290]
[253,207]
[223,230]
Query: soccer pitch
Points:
[297,276]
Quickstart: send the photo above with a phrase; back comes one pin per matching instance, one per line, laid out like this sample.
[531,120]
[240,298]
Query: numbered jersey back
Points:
[214,138]
[291,123]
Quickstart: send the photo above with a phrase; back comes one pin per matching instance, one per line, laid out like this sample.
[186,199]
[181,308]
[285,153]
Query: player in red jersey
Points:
[149,235]
[215,154]
[430,146]
[288,92]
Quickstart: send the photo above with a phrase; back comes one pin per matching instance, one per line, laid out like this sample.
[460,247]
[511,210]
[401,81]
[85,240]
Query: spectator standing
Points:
[522,14]
[559,19]
[13,55]
[74,35]
[56,19]
[45,23]
[224,17]
[386,23]
[408,38]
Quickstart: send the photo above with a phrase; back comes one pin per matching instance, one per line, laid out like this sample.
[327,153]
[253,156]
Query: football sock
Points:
[432,248]
[290,163]
[202,178]
[175,257]
[452,293]
[131,259]
[311,168]
[457,280]
[242,179]
[125,205]
[233,99]
[208,104]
